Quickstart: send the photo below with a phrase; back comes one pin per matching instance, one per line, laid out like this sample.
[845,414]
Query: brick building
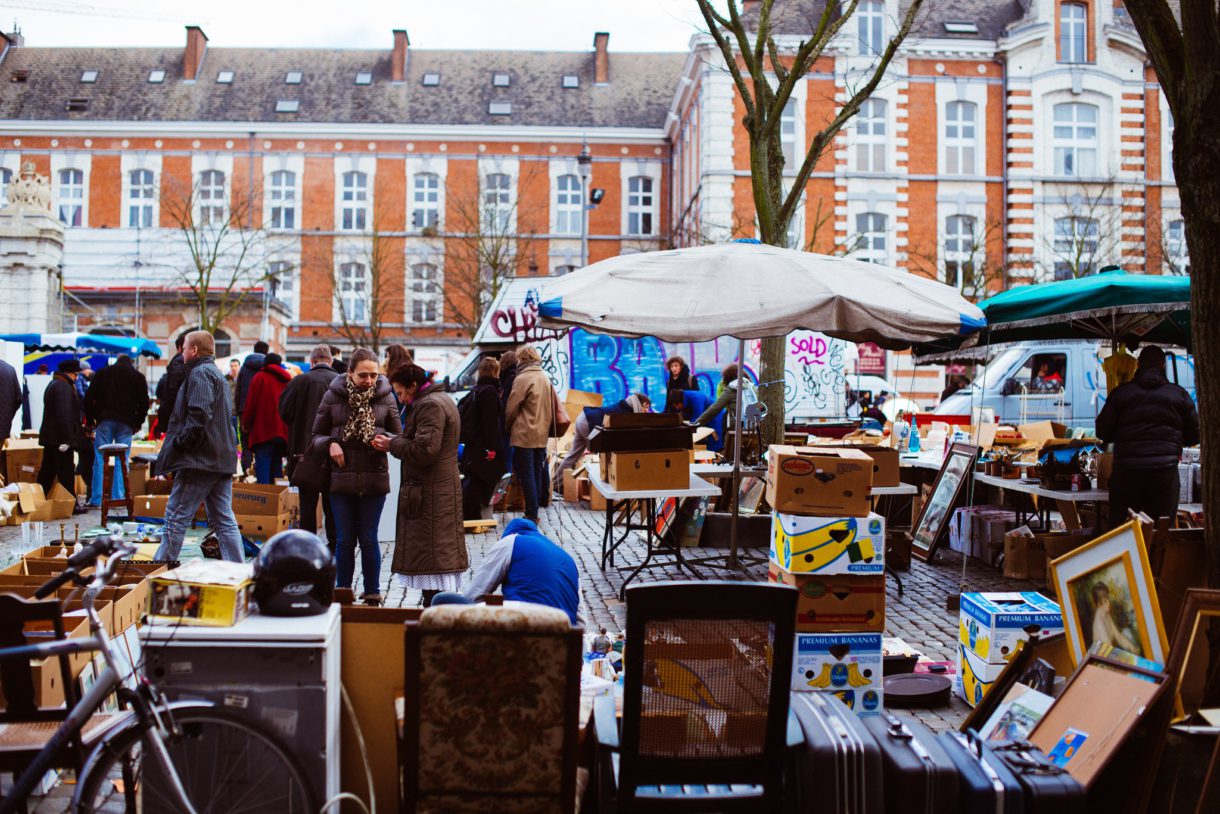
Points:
[1010,142]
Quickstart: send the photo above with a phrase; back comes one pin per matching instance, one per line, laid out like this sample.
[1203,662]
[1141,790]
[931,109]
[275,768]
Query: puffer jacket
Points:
[531,408]
[260,418]
[1148,420]
[365,471]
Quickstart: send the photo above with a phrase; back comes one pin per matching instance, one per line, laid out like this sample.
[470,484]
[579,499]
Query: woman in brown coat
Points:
[355,420]
[430,546]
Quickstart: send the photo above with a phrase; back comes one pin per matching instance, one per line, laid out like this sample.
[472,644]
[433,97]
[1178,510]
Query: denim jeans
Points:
[108,432]
[529,467]
[269,460]
[215,492]
[356,521]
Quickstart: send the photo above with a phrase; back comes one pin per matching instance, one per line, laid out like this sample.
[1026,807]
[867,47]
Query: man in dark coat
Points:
[200,451]
[10,397]
[116,405]
[298,407]
[62,433]
[1148,420]
[251,365]
[168,386]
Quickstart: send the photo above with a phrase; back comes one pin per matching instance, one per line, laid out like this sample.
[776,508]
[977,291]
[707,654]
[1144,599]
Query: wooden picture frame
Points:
[1190,642]
[1112,569]
[933,523]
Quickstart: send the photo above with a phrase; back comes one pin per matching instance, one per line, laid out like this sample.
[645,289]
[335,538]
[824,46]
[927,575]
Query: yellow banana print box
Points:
[993,624]
[846,664]
[974,675]
[828,545]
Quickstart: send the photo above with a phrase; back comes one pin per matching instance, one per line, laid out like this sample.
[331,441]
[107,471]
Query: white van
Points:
[1049,381]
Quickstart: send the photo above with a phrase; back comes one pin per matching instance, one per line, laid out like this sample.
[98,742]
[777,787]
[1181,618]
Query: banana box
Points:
[846,664]
[974,675]
[992,624]
[828,545]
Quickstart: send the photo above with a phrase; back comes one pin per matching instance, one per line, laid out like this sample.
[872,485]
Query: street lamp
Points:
[584,163]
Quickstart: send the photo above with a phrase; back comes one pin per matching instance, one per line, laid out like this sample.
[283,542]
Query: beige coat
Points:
[530,409]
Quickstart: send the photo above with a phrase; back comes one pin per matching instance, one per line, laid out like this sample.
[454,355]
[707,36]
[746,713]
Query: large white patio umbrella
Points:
[748,290]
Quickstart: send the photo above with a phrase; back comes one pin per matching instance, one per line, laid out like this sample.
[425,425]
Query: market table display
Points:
[1065,500]
[643,502]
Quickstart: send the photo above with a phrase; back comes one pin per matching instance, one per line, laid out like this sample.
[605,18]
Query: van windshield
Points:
[994,372]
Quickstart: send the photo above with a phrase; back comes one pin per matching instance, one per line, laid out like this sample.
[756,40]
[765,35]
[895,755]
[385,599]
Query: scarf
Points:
[361,423]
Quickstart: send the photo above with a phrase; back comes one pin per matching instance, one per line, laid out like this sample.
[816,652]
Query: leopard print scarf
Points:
[361,423]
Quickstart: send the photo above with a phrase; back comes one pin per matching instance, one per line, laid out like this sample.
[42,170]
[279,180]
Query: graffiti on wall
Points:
[519,323]
[814,384]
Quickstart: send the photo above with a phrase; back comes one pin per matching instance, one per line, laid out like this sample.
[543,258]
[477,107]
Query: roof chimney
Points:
[601,59]
[192,58]
[398,62]
[14,37]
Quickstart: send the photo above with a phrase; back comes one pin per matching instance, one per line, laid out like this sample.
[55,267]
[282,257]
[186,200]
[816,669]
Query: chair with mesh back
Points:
[705,723]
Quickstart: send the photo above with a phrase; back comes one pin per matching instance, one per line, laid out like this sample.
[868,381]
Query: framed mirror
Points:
[933,523]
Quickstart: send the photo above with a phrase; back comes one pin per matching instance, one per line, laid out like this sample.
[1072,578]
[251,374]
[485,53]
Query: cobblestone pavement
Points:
[918,616]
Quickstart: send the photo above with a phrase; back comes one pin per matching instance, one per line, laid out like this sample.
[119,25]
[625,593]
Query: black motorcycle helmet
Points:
[294,575]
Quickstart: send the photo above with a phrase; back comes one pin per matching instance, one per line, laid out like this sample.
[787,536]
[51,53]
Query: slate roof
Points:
[991,16]
[638,95]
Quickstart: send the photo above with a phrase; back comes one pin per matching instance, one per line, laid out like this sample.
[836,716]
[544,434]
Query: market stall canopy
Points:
[1107,306]
[86,343]
[752,291]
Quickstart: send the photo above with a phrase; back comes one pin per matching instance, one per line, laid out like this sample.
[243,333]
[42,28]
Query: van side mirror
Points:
[1011,388]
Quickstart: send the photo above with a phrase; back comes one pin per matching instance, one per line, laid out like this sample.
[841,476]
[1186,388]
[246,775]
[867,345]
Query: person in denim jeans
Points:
[116,405]
[355,421]
[530,418]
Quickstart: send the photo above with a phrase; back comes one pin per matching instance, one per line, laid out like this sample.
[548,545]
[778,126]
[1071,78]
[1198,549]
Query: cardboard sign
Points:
[812,480]
[828,545]
[835,604]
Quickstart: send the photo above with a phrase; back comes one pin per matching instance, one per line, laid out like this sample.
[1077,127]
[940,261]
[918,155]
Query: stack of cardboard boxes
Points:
[644,451]
[992,626]
[827,544]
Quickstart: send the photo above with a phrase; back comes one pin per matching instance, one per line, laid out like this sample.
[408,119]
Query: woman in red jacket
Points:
[261,422]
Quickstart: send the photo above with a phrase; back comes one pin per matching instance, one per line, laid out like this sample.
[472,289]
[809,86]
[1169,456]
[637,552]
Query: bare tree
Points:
[961,259]
[1185,53]
[1087,235]
[765,72]
[367,291]
[226,243]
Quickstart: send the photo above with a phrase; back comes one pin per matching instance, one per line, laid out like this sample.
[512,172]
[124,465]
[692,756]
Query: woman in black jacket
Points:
[482,439]
[678,378]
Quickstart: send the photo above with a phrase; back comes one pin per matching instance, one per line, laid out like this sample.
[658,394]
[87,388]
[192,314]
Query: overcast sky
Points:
[634,25]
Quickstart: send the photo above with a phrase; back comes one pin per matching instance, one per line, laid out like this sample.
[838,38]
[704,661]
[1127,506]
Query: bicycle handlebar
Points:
[49,587]
[101,547]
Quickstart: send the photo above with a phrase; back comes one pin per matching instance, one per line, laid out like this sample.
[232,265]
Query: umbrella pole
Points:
[737,433]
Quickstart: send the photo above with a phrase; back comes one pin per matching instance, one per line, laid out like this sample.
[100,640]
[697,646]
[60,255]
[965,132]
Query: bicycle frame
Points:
[146,705]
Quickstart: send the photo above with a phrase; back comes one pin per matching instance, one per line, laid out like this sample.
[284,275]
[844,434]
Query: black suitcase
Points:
[839,769]
[1048,788]
[919,777]
[985,783]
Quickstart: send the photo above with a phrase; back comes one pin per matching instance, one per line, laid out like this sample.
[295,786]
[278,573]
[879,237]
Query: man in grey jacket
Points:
[201,452]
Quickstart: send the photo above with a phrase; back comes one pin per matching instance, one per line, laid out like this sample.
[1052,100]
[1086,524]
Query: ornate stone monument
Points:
[31,257]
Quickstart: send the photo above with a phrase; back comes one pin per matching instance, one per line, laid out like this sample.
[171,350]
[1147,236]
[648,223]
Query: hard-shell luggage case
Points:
[839,768]
[1048,788]
[919,777]
[985,783]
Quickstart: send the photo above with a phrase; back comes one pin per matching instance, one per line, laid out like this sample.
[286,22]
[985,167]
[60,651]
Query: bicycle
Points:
[156,755]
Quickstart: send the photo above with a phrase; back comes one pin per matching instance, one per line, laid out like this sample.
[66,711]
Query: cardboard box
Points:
[836,604]
[991,624]
[898,549]
[1057,545]
[22,460]
[974,675]
[202,592]
[263,499]
[846,664]
[1105,468]
[137,476]
[263,526]
[828,545]
[62,502]
[640,471]
[571,489]
[885,459]
[153,506]
[811,480]
[1024,556]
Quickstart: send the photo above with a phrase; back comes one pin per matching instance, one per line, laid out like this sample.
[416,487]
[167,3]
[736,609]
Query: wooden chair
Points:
[705,722]
[491,706]
[25,728]
[114,457]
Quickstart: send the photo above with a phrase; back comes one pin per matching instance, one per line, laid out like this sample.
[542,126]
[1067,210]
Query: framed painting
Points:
[1192,660]
[1106,594]
[931,527]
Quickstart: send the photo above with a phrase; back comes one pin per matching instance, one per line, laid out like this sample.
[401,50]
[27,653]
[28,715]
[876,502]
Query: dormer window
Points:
[287,106]
[224,78]
[432,79]
[88,76]
[156,77]
[292,78]
[571,81]
[364,77]
[500,80]
[960,27]
[500,108]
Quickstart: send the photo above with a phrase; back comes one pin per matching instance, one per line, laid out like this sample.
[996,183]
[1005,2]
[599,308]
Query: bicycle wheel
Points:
[225,763]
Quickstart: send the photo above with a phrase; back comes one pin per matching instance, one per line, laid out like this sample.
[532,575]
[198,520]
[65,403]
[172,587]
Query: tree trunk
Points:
[771,376]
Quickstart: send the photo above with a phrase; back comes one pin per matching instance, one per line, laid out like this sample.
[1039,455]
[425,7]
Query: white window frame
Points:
[1067,234]
[641,206]
[426,201]
[283,278]
[1177,253]
[1073,33]
[1076,154]
[141,194]
[569,198]
[961,138]
[6,177]
[425,305]
[870,27]
[872,243]
[354,201]
[70,196]
[872,127]
[961,242]
[208,192]
[282,200]
[788,134]
[496,199]
[352,284]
